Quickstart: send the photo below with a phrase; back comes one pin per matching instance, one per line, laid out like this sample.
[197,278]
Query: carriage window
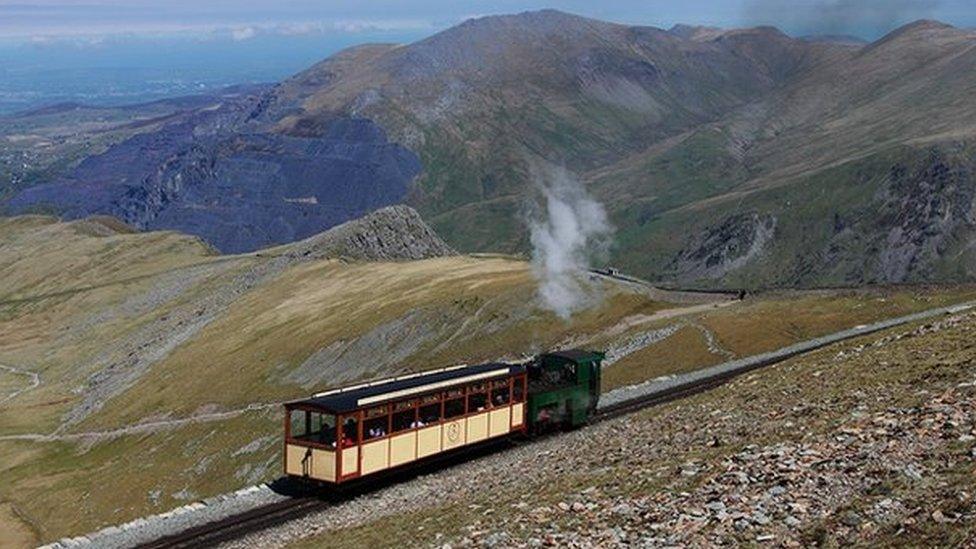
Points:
[350,431]
[376,423]
[404,416]
[453,408]
[323,428]
[297,419]
[430,414]
[518,390]
[313,426]
[477,398]
[500,392]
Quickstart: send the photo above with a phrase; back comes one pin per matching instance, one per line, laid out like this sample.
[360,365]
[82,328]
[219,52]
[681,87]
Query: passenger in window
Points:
[477,402]
[327,437]
[349,433]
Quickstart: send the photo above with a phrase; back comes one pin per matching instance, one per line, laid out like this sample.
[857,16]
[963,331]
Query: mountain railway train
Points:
[346,434]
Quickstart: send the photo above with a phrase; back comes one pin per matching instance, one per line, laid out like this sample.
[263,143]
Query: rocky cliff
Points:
[392,233]
[221,175]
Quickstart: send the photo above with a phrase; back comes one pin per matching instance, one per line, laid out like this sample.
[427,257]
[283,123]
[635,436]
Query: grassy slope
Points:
[484,306]
[464,309]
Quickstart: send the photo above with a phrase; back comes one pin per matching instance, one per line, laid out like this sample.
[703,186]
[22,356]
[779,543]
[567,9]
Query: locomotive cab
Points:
[564,388]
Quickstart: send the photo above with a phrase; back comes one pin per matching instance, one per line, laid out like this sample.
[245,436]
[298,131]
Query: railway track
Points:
[237,526]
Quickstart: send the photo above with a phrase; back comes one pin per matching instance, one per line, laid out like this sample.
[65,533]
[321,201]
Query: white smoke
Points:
[572,231]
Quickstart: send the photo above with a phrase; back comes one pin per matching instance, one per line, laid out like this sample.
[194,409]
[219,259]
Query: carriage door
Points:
[350,437]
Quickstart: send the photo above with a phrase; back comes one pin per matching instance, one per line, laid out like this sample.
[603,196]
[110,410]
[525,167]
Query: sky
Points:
[126,50]
[241,20]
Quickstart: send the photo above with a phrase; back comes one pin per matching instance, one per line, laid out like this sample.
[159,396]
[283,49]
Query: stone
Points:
[622,509]
[715,506]
[850,518]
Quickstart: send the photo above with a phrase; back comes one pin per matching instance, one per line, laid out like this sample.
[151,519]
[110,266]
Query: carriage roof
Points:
[577,355]
[374,393]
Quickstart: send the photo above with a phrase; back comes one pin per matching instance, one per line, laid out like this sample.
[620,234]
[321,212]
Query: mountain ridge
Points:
[678,132]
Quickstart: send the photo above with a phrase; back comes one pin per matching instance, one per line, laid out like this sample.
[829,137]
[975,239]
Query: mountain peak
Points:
[546,21]
[933,33]
[918,27]
[925,24]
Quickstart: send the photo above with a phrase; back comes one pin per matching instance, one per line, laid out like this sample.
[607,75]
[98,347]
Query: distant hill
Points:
[725,157]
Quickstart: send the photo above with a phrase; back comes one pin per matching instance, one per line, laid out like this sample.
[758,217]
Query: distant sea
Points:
[126,69]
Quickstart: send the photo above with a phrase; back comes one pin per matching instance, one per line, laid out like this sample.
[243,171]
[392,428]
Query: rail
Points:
[240,525]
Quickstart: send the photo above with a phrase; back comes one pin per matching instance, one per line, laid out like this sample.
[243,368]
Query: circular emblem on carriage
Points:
[453,432]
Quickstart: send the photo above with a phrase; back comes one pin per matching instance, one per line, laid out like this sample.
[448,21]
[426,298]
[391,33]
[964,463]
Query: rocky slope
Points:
[214,175]
[871,443]
[388,234]
[688,136]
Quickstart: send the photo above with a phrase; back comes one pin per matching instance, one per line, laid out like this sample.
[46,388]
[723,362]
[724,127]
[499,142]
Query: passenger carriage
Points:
[353,432]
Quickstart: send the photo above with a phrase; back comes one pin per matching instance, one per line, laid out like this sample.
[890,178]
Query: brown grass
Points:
[485,305]
[766,324]
[14,532]
[684,351]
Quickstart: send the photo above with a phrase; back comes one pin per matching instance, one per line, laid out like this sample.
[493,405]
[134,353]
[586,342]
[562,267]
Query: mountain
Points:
[724,157]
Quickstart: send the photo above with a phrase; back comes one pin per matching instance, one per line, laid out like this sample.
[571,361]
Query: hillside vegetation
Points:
[142,371]
[734,158]
[154,354]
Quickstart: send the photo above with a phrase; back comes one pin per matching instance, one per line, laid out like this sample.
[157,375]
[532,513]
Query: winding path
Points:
[146,427]
[35,380]
[617,395]
[711,341]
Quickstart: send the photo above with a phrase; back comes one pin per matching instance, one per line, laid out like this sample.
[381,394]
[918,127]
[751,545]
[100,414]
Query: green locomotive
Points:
[564,389]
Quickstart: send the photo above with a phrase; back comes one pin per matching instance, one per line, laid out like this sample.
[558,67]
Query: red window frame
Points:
[516,381]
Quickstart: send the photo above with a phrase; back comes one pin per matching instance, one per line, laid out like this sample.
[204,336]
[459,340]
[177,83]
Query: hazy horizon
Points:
[115,51]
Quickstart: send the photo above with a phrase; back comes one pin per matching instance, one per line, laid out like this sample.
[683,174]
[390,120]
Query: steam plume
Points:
[572,230]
